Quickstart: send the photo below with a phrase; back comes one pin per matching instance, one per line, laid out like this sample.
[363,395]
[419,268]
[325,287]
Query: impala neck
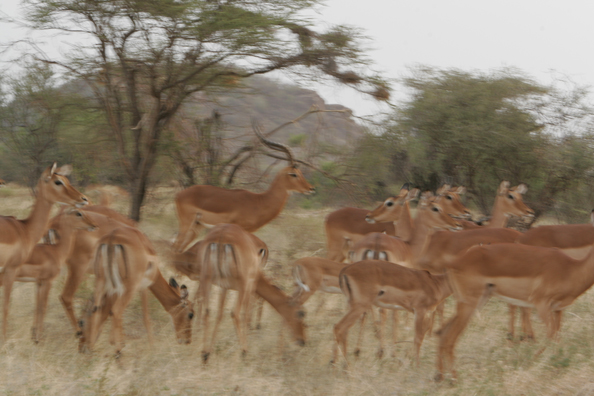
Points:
[404,226]
[275,297]
[275,197]
[498,217]
[167,296]
[66,241]
[37,222]
[420,235]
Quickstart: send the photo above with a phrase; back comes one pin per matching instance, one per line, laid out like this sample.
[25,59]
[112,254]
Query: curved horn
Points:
[273,145]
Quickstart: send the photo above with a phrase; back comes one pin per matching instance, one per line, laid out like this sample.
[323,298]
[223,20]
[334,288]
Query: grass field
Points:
[488,364]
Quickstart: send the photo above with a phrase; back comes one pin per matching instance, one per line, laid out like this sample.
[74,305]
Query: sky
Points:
[542,38]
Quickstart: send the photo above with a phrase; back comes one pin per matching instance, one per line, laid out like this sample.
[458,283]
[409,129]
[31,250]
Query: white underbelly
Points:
[514,301]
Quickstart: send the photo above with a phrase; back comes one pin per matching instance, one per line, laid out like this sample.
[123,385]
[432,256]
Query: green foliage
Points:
[297,140]
[476,130]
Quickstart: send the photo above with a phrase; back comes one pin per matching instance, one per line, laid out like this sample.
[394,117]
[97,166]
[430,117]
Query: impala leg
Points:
[8,281]
[360,336]
[450,333]
[380,332]
[341,329]
[215,330]
[204,291]
[260,308]
[512,321]
[527,323]
[243,309]
[557,316]
[117,326]
[76,274]
[550,321]
[423,321]
[439,311]
[394,331]
[43,289]
[145,315]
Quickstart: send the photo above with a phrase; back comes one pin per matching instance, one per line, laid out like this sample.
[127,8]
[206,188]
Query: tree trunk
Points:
[137,196]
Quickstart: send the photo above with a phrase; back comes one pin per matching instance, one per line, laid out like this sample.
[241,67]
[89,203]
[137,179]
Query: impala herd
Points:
[394,261]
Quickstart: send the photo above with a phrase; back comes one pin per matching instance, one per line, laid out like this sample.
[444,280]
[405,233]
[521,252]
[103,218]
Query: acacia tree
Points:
[478,129]
[143,59]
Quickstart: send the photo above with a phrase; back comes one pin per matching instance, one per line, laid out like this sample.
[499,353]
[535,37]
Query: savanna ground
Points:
[488,364]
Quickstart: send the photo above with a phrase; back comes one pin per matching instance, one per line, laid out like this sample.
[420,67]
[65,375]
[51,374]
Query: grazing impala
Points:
[189,263]
[248,210]
[125,263]
[80,258]
[231,260]
[537,277]
[18,237]
[44,263]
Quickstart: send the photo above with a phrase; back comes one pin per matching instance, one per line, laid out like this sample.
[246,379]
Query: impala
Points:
[575,240]
[2,183]
[189,263]
[249,210]
[80,258]
[231,260]
[44,263]
[125,263]
[429,217]
[351,224]
[387,285]
[535,277]
[445,246]
[18,237]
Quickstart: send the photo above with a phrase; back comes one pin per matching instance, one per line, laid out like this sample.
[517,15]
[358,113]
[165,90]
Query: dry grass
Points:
[488,364]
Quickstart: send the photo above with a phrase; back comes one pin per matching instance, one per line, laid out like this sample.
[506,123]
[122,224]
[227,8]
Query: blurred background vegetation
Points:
[143,113]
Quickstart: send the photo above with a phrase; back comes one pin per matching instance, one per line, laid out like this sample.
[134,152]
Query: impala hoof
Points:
[380,353]
[205,356]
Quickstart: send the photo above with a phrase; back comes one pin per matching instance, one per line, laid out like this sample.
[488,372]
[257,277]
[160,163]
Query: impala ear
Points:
[460,190]
[64,170]
[521,189]
[503,187]
[443,189]
[413,194]
[49,171]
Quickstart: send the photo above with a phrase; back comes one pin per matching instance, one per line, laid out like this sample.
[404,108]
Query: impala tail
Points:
[110,263]
[219,259]
[298,275]
[345,286]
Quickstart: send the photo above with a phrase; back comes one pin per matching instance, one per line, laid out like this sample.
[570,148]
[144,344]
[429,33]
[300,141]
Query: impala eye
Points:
[389,203]
[435,209]
[58,183]
[293,174]
[449,197]
[510,196]
[190,316]
[79,214]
